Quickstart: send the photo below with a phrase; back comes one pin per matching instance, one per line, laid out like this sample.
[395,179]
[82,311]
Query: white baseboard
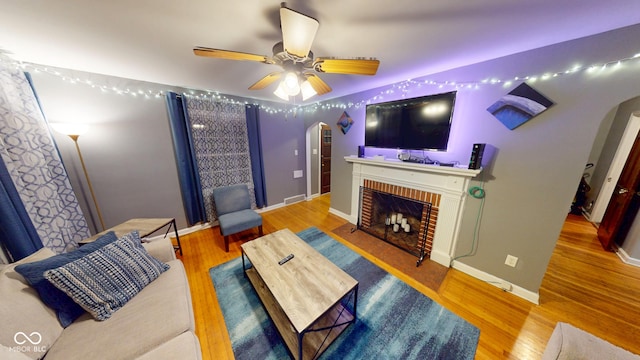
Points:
[271,207]
[347,217]
[624,256]
[440,257]
[531,296]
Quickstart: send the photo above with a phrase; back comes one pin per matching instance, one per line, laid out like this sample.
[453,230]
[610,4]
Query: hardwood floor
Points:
[584,285]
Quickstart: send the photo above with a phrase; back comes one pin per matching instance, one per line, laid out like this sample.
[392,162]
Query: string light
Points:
[404,88]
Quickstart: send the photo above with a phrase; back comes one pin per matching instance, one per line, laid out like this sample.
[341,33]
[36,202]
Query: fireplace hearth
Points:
[398,220]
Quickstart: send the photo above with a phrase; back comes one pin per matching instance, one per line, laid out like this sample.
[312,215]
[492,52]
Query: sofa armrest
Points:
[161,249]
[9,354]
[568,342]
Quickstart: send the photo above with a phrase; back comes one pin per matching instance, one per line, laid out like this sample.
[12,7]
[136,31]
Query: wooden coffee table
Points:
[310,300]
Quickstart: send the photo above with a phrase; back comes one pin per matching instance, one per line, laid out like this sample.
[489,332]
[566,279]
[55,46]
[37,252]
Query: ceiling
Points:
[152,40]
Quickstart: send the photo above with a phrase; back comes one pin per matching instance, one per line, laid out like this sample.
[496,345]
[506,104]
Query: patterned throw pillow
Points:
[105,280]
[66,309]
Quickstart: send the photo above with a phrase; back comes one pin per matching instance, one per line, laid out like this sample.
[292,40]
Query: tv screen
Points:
[421,123]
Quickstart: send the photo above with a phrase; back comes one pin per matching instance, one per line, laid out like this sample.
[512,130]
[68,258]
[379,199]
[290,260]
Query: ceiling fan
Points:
[294,56]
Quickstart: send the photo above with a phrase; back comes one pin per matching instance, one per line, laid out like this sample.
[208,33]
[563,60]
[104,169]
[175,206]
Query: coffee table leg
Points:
[244,269]
[355,304]
[300,336]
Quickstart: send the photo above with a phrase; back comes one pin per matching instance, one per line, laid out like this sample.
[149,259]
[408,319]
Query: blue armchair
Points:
[233,206]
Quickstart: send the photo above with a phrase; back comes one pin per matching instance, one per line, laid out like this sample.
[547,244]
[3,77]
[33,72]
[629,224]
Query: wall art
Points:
[345,122]
[519,106]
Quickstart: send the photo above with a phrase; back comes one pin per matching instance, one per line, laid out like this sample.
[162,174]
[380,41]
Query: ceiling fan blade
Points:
[230,55]
[318,84]
[266,81]
[346,66]
[298,32]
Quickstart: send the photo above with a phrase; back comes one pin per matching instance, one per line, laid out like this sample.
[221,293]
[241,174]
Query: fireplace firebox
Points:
[398,220]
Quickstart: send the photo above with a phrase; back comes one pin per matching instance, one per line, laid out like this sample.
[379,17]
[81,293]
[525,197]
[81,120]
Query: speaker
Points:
[360,151]
[476,156]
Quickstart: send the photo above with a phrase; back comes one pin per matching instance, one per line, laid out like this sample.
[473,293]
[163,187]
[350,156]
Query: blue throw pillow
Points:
[66,309]
[105,280]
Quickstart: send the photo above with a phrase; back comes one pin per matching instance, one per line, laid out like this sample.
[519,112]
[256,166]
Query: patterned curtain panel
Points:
[33,162]
[219,131]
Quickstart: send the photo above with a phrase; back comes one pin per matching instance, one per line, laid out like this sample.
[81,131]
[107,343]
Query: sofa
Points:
[567,342]
[157,322]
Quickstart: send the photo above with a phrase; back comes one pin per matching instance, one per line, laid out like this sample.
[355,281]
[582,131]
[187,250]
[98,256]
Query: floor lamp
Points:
[74,131]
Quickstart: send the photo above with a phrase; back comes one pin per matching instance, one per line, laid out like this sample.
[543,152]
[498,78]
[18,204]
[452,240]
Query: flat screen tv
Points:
[421,123]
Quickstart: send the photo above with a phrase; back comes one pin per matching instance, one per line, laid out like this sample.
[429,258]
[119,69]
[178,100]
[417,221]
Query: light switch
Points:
[295,152]
[297,174]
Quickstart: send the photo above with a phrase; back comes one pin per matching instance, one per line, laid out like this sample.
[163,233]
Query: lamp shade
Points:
[70,128]
[281,93]
[307,90]
[291,84]
[298,32]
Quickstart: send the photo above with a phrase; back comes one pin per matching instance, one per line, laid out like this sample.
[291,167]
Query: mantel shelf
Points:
[427,168]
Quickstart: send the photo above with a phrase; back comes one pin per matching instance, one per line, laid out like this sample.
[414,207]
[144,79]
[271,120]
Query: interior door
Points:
[325,159]
[626,187]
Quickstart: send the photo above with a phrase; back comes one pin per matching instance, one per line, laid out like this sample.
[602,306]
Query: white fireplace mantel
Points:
[450,182]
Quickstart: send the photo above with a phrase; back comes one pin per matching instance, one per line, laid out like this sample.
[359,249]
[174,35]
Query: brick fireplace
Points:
[381,202]
[443,187]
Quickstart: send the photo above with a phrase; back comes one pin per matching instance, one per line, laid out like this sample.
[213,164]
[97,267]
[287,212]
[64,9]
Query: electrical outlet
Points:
[511,261]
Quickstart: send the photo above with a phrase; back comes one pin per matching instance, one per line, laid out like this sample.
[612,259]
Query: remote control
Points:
[286,258]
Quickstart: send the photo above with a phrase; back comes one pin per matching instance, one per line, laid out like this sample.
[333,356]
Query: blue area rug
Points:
[394,321]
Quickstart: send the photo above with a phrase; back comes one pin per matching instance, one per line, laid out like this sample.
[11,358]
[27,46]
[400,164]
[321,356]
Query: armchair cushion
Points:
[239,221]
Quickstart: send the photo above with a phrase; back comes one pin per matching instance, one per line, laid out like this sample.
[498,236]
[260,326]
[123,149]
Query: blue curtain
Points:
[15,222]
[186,160]
[255,149]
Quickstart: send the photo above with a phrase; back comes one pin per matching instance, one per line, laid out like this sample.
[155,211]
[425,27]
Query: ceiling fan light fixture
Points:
[280,92]
[298,32]
[307,90]
[290,84]
[293,54]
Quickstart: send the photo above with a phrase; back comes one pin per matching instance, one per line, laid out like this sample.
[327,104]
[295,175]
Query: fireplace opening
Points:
[398,220]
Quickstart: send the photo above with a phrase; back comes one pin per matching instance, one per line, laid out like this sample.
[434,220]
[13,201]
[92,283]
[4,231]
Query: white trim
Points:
[347,217]
[309,154]
[307,158]
[313,196]
[424,168]
[624,256]
[528,295]
[617,165]
[271,207]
